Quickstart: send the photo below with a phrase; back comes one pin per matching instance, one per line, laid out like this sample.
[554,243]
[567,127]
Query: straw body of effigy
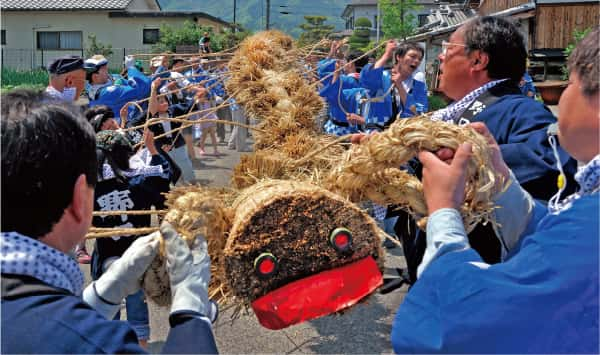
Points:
[371,171]
[193,211]
[291,218]
[292,221]
[266,77]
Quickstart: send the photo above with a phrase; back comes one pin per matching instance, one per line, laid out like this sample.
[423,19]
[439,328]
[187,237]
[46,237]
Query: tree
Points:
[578,35]
[398,19]
[230,39]
[188,34]
[97,47]
[361,34]
[314,30]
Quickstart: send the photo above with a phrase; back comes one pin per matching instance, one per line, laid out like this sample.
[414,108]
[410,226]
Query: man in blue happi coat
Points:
[395,93]
[481,66]
[103,91]
[544,297]
[49,174]
[334,83]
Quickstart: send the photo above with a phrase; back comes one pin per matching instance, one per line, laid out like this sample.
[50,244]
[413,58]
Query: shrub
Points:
[24,78]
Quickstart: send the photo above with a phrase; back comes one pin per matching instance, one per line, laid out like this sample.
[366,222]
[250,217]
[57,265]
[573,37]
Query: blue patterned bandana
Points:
[22,255]
[454,110]
[588,177]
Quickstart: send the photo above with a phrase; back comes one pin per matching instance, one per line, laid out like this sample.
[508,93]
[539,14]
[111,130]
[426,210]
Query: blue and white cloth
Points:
[22,255]
[588,178]
[140,164]
[454,110]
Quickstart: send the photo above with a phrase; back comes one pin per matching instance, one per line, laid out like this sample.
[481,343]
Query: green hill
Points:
[251,13]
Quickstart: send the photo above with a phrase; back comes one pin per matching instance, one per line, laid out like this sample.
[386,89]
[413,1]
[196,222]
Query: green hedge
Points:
[27,78]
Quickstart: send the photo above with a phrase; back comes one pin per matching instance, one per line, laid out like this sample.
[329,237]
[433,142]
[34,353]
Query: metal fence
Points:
[29,59]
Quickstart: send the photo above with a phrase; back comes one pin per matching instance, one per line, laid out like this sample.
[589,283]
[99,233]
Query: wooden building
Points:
[548,26]
[554,21]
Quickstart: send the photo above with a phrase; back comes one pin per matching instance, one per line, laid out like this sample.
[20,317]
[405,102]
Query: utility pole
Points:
[378,21]
[234,10]
[268,14]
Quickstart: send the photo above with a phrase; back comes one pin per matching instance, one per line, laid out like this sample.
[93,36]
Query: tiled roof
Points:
[65,4]
[446,16]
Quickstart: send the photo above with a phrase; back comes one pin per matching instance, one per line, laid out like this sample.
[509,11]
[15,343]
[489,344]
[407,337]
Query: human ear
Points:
[79,207]
[480,60]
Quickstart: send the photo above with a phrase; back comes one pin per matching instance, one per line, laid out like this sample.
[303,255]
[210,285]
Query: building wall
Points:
[20,50]
[555,24]
[369,12]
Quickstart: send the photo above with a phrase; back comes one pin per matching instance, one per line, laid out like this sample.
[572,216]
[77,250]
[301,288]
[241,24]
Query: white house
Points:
[369,9]
[36,31]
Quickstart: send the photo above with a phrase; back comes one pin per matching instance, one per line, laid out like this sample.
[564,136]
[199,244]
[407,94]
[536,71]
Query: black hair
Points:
[115,149]
[407,46]
[176,60]
[90,72]
[584,61]
[46,146]
[99,110]
[97,115]
[502,41]
[360,63]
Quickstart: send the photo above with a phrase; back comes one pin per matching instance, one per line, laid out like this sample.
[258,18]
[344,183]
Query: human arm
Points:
[372,78]
[333,49]
[388,54]
[443,186]
[353,118]
[462,305]
[189,276]
[139,81]
[153,103]
[325,67]
[122,277]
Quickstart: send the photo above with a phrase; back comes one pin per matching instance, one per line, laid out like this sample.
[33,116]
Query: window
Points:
[375,21]
[150,36]
[3,37]
[60,40]
[422,20]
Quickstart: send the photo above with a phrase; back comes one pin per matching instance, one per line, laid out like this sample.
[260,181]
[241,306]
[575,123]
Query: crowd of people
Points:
[528,284]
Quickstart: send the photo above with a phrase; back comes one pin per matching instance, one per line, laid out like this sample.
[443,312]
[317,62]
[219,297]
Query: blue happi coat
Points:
[378,82]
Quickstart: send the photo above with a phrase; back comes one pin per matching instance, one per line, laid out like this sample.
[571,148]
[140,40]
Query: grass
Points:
[27,79]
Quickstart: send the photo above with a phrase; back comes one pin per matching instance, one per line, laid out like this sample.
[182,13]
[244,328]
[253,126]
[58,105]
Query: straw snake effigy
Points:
[289,194]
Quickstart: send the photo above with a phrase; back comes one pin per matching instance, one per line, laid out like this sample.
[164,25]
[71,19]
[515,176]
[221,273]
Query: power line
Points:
[312,6]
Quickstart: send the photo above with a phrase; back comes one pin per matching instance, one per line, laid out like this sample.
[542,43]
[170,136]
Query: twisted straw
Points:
[372,171]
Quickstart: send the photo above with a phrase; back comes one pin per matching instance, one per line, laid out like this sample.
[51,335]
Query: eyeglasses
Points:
[445,46]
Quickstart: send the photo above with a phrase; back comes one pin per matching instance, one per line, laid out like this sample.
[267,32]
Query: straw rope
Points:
[223,52]
[131,212]
[120,232]
[369,171]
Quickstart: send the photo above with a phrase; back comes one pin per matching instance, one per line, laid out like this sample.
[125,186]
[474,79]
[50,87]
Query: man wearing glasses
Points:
[481,65]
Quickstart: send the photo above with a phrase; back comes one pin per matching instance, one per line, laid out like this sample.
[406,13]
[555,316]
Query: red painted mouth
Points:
[318,295]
